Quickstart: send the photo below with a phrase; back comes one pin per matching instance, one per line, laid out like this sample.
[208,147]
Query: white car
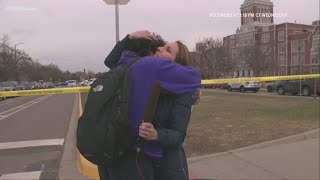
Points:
[84,83]
[91,81]
[244,86]
[72,83]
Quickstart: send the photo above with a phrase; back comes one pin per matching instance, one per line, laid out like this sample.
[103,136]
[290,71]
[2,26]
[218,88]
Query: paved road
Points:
[32,134]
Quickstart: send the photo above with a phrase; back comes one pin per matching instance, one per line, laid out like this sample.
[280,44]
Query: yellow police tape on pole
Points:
[211,81]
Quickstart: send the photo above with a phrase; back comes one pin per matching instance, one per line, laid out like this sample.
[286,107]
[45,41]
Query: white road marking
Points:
[11,101]
[23,175]
[17,107]
[21,107]
[34,143]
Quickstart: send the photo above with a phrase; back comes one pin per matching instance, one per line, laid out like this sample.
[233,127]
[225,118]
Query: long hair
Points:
[183,57]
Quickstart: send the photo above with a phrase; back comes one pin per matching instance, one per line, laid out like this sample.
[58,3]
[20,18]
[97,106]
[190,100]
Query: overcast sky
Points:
[78,34]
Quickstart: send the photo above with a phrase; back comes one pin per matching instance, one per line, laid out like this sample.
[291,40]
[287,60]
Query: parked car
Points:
[272,86]
[91,81]
[72,83]
[48,85]
[84,83]
[9,85]
[293,87]
[220,86]
[206,86]
[244,86]
[33,85]
[2,98]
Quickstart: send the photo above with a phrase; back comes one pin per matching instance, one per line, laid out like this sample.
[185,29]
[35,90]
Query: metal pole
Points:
[15,53]
[117,20]
[299,71]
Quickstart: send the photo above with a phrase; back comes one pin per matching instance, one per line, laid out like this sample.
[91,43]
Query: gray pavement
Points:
[295,157]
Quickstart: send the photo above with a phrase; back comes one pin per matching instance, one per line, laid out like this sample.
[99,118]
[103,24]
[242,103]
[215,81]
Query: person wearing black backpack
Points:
[163,156]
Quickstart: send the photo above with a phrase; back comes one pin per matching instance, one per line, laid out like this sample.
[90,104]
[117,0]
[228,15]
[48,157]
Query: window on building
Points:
[315,58]
[296,45]
[232,43]
[281,35]
[265,38]
[282,59]
[314,70]
[281,54]
[295,59]
[233,53]
[294,71]
[282,71]
[281,48]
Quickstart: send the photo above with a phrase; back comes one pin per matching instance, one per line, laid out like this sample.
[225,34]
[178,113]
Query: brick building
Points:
[292,48]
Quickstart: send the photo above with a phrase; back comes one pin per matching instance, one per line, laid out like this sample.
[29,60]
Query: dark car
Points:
[272,86]
[220,86]
[293,87]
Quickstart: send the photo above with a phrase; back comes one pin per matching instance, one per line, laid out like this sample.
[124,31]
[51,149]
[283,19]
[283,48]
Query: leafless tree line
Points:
[17,65]
[214,61]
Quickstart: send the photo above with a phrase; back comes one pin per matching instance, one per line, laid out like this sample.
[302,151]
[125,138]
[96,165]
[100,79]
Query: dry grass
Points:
[225,121]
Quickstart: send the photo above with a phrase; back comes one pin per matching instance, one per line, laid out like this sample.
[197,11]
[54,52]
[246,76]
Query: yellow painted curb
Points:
[85,167]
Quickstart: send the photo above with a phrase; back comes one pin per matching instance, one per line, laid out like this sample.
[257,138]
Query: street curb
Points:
[68,168]
[285,140]
[85,167]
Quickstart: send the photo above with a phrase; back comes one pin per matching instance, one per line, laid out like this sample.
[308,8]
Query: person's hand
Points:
[143,34]
[199,98]
[147,131]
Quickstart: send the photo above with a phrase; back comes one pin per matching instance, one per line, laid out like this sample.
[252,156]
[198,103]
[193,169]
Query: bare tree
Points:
[257,59]
[213,57]
[16,64]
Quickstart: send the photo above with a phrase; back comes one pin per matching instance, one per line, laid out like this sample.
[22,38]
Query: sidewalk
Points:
[288,158]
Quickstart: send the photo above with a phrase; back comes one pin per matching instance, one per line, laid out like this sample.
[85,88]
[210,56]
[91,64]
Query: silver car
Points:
[9,85]
[244,86]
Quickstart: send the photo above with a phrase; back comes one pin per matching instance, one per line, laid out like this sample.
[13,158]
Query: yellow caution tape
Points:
[260,79]
[211,81]
[44,91]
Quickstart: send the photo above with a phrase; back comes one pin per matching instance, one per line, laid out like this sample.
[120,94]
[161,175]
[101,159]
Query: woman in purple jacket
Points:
[163,157]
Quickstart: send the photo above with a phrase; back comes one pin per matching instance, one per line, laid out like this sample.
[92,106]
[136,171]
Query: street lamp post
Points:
[15,59]
[299,49]
[117,3]
[244,66]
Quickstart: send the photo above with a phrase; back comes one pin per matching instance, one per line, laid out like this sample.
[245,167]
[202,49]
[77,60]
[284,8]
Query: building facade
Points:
[290,48]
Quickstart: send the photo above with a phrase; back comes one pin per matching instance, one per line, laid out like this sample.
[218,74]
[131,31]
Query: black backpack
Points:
[104,129]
